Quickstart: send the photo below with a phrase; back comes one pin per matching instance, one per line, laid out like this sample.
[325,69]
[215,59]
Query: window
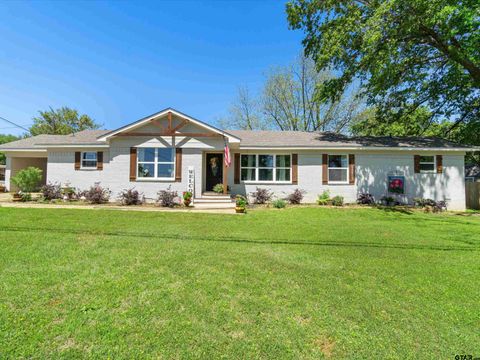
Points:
[156,163]
[265,168]
[337,169]
[427,164]
[89,160]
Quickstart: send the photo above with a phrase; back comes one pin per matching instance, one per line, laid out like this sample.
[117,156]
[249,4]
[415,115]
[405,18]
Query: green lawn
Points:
[294,283]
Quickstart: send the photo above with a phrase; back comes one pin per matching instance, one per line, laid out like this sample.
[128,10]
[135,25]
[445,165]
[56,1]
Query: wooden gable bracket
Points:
[186,134]
[169,130]
[179,126]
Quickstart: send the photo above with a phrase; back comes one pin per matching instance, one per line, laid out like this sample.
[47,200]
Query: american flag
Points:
[226,157]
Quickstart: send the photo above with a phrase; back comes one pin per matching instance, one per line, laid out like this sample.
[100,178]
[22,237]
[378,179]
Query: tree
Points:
[244,113]
[418,124]
[415,124]
[407,54]
[290,100]
[3,140]
[61,121]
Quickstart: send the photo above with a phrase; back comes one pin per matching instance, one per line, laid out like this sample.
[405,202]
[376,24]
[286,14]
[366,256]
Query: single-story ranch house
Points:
[170,148]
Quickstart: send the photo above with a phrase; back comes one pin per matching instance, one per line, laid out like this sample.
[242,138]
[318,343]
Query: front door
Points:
[214,170]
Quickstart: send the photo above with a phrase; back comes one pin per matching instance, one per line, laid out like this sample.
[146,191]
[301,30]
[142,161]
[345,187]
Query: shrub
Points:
[26,197]
[323,198]
[130,197]
[261,196]
[27,179]
[365,199]
[97,195]
[167,198]
[296,197]
[279,203]
[51,191]
[435,206]
[337,200]
[440,206]
[388,200]
[80,195]
[218,188]
[420,202]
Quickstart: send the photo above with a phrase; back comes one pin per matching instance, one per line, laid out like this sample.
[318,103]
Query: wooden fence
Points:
[472,194]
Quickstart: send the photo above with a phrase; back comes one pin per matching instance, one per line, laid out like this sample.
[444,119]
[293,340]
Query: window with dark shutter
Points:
[99,160]
[133,164]
[178,165]
[295,169]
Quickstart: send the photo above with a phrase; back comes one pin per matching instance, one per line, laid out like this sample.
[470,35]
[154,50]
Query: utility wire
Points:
[11,122]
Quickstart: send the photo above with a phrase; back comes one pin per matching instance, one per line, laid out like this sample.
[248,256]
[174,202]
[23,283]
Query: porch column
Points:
[225,177]
[8,171]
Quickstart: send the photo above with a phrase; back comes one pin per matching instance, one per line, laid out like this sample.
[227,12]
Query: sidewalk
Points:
[32,205]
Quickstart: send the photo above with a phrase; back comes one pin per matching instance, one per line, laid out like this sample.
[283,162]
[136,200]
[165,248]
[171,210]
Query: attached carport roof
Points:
[85,137]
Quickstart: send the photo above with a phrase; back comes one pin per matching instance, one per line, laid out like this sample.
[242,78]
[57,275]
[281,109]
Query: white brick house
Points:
[159,151]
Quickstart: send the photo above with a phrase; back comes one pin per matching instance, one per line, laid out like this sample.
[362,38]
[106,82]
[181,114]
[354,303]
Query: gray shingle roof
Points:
[84,137]
[316,139]
[267,139]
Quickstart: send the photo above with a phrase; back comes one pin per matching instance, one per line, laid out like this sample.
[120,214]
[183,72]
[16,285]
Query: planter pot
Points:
[239,210]
[17,197]
[187,202]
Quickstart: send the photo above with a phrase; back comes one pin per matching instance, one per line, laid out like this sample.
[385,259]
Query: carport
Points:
[17,161]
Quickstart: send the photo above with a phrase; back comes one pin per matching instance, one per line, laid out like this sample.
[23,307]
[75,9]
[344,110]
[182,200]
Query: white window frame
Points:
[82,160]
[155,165]
[258,167]
[341,168]
[434,162]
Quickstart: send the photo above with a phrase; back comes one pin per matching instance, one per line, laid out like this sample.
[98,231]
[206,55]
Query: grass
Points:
[294,283]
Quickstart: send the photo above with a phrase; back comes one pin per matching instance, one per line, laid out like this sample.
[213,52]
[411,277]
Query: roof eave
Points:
[23,149]
[91,145]
[369,148]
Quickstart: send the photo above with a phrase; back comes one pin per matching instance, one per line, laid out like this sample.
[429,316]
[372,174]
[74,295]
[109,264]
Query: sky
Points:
[119,61]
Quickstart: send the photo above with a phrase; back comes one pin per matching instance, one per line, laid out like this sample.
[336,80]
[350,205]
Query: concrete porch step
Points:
[208,200]
[213,195]
[210,205]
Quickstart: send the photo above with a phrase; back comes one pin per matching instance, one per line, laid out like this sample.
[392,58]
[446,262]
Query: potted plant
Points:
[187,198]
[17,196]
[240,204]
[218,188]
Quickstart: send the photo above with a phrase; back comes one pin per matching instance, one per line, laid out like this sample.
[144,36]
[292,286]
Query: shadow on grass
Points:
[183,237]
[394,209]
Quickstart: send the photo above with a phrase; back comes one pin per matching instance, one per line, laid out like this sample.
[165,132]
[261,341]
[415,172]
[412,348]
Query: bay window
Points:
[265,167]
[337,169]
[156,163]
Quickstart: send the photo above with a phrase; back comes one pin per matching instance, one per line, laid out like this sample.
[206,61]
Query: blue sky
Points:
[120,61]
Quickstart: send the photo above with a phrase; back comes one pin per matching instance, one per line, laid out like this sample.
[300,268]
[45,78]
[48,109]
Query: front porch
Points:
[214,172]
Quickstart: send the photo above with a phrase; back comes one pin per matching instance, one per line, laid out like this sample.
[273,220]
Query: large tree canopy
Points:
[288,102]
[61,121]
[3,140]
[407,54]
